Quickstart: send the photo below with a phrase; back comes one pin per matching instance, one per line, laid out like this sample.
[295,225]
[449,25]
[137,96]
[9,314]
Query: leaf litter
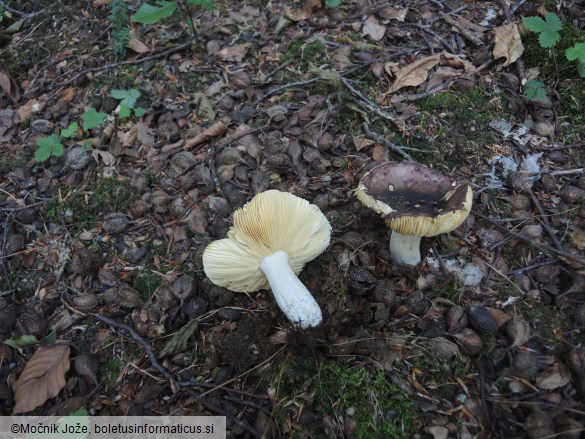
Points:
[277,99]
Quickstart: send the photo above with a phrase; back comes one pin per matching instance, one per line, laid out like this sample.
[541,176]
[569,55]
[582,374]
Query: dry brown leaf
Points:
[556,376]
[235,53]
[361,143]
[394,13]
[43,377]
[454,61]
[500,317]
[374,29]
[98,3]
[380,153]
[217,129]
[301,14]
[28,109]
[415,73]
[9,85]
[135,45]
[68,94]
[508,43]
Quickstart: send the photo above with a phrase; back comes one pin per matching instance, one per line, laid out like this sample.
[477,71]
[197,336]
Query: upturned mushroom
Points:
[272,238]
[415,201]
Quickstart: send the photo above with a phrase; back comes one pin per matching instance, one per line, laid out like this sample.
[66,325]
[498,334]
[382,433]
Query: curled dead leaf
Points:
[519,330]
[374,29]
[215,130]
[508,43]
[43,377]
[235,53]
[9,85]
[556,376]
[415,73]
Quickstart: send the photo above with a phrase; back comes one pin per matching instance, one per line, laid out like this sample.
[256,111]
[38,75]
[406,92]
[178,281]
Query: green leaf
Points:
[548,29]
[127,97]
[123,112]
[576,52]
[148,14]
[180,340]
[534,90]
[92,118]
[50,338]
[139,112]
[581,68]
[332,3]
[50,145]
[70,131]
[208,5]
[24,340]
[548,39]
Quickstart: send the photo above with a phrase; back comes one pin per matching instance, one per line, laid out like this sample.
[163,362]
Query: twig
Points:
[469,35]
[118,64]
[125,328]
[4,240]
[368,103]
[545,224]
[283,87]
[530,267]
[390,145]
[568,171]
[23,15]
[435,35]
[559,148]
[528,239]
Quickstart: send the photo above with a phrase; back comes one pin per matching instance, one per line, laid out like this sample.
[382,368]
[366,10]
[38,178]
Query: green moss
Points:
[89,207]
[458,121]
[571,117]
[304,54]
[380,409]
[146,282]
[109,368]
[8,164]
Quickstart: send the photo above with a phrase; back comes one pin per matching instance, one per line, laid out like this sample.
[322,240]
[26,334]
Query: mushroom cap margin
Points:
[270,222]
[422,224]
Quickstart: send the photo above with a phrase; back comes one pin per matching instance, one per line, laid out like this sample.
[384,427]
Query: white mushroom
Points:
[272,238]
[415,201]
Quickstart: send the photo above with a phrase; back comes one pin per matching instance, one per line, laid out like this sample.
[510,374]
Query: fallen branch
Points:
[529,240]
[469,35]
[380,139]
[23,15]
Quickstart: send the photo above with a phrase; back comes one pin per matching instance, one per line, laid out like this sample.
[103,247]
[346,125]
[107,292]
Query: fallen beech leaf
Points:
[107,157]
[380,153]
[98,3]
[374,29]
[301,14]
[361,143]
[415,73]
[68,94]
[508,43]
[454,61]
[235,53]
[135,45]
[42,378]
[27,110]
[394,13]
[217,129]
[556,376]
[9,85]
[519,330]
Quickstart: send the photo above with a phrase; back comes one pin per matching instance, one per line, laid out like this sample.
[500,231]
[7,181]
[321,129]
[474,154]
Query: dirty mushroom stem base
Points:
[293,298]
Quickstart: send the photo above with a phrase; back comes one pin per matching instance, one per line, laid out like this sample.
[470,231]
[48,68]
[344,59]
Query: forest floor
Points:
[124,154]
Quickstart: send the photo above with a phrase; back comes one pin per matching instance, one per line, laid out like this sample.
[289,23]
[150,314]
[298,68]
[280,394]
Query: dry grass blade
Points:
[42,378]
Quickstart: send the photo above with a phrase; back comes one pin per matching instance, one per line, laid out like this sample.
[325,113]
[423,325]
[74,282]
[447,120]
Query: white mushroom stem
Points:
[405,249]
[291,295]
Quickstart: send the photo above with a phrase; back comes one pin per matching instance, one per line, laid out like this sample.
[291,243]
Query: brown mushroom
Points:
[415,201]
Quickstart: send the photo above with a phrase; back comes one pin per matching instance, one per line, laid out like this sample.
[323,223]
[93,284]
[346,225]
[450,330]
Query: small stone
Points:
[41,125]
[115,222]
[219,206]
[524,365]
[572,194]
[360,281]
